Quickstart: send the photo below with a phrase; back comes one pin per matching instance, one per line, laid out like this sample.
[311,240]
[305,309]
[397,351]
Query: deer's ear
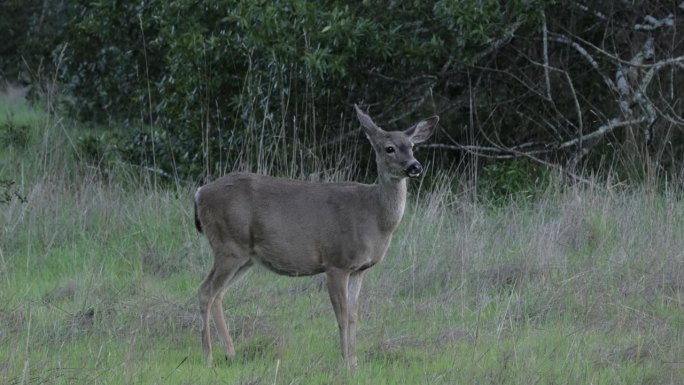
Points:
[422,130]
[367,123]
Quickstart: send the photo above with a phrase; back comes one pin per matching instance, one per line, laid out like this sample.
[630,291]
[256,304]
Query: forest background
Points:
[520,86]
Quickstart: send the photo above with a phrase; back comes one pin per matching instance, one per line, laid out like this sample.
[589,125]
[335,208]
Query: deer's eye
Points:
[389,150]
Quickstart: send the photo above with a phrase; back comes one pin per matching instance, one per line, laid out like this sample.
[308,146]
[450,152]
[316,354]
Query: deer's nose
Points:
[414,169]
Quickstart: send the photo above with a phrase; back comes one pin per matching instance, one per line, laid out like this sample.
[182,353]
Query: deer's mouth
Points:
[414,170]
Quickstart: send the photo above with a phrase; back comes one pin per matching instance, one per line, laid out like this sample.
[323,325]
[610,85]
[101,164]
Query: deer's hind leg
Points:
[217,311]
[227,265]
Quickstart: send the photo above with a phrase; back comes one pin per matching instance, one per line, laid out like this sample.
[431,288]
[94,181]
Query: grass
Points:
[99,271]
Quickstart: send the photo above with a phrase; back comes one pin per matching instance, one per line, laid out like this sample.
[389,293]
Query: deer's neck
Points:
[392,201]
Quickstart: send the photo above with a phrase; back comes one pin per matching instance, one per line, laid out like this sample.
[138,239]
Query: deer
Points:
[300,228]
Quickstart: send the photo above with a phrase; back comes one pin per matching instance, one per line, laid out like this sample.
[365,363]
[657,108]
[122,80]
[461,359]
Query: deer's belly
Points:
[288,258]
[296,253]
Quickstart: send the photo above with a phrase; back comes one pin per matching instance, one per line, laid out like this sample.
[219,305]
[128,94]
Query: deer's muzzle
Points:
[414,170]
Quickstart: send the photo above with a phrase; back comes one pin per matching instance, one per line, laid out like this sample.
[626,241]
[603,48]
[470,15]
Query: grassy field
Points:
[99,271]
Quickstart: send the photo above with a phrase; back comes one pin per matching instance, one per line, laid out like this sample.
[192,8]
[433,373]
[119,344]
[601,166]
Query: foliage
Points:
[198,78]
[210,85]
[109,62]
[31,30]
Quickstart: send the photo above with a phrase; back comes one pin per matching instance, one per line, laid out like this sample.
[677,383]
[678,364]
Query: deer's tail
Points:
[198,224]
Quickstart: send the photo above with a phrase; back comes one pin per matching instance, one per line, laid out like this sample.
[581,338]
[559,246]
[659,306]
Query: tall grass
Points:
[99,270]
[276,130]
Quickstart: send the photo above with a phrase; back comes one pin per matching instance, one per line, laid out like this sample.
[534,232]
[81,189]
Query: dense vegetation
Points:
[571,85]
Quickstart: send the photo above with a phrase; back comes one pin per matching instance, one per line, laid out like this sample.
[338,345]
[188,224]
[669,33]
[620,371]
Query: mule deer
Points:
[298,228]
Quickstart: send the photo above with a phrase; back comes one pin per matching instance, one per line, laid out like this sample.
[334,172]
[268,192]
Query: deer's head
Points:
[394,149]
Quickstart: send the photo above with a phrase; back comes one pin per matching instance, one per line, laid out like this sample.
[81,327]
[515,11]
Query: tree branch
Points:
[586,55]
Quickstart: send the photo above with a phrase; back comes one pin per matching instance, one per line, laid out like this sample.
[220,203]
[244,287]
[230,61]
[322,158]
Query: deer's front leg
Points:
[337,288]
[354,289]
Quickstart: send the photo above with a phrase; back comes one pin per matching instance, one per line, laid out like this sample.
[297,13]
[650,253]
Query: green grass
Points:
[99,271]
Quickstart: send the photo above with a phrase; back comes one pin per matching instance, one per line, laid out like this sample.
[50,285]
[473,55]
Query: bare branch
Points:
[676,61]
[630,82]
[496,44]
[587,56]
[652,23]
[412,81]
[487,152]
[604,129]
[606,53]
[639,97]
[627,75]
[580,124]
[668,113]
[490,151]
[545,41]
[510,153]
[600,15]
